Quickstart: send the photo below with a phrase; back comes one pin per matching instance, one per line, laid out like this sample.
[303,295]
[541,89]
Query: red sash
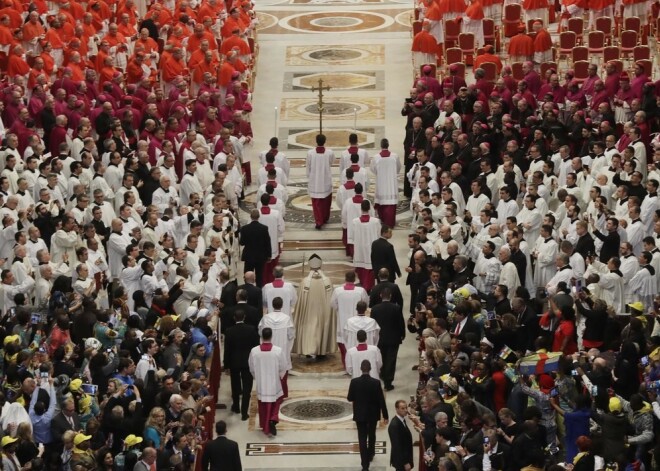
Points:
[272,200]
[364,218]
[385,153]
[362,347]
[349,185]
[278,283]
[266,347]
[349,286]
[355,168]
[352,150]
[358,199]
[269,167]
[265,210]
[320,150]
[272,182]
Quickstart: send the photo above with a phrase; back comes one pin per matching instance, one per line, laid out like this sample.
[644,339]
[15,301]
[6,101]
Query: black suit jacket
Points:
[421,294]
[383,256]
[255,238]
[610,248]
[228,296]
[473,462]
[585,245]
[60,424]
[470,327]
[520,261]
[254,297]
[239,340]
[401,442]
[252,315]
[389,317]
[374,296]
[368,399]
[528,329]
[501,460]
[221,454]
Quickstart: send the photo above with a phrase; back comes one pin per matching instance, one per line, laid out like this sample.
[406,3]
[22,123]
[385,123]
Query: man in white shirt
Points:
[284,333]
[366,230]
[344,300]
[360,322]
[268,366]
[319,184]
[363,351]
[386,166]
[282,289]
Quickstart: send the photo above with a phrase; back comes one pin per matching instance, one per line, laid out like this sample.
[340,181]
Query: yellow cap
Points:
[81,437]
[637,306]
[132,440]
[75,384]
[8,440]
[615,404]
[11,339]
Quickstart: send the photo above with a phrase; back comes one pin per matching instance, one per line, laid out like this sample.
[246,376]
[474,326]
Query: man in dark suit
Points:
[239,340]
[383,256]
[221,453]
[463,275]
[465,324]
[471,454]
[368,400]
[611,240]
[401,456]
[383,282]
[499,453]
[252,316]
[527,321]
[389,317]
[255,238]
[432,284]
[67,419]
[254,296]
[585,243]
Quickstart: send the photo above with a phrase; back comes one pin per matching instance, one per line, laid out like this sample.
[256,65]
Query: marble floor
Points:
[361,49]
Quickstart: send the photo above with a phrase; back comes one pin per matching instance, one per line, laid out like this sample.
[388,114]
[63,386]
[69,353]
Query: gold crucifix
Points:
[320,104]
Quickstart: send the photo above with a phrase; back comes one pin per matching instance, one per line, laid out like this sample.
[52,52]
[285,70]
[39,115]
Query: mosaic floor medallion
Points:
[316,409]
[265,20]
[364,54]
[336,22]
[337,81]
[404,18]
[305,138]
[344,108]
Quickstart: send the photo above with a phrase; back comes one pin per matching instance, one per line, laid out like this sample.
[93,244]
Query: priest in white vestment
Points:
[267,365]
[314,318]
[353,149]
[363,351]
[283,335]
[530,219]
[564,274]
[319,180]
[545,253]
[273,220]
[351,210]
[344,301]
[644,285]
[366,230]
[611,282]
[360,322]
[386,167]
[509,274]
[279,288]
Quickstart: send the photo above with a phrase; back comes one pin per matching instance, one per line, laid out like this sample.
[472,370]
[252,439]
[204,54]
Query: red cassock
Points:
[424,42]
[542,41]
[17,66]
[521,45]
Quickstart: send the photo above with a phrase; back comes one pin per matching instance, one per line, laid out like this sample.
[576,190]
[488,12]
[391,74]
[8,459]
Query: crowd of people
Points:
[534,268]
[123,128]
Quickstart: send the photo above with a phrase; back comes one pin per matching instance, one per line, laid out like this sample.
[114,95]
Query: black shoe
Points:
[244,417]
[317,227]
[273,428]
[389,387]
[235,409]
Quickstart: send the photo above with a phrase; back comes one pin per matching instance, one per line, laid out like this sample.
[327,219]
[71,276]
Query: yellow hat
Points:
[8,440]
[11,339]
[81,437]
[637,306]
[132,440]
[75,385]
[85,403]
[615,404]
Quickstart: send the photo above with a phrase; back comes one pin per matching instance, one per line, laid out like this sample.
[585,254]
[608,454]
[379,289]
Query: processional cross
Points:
[320,103]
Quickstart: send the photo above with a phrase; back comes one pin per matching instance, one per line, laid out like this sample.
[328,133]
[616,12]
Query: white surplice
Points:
[344,300]
[364,233]
[287,292]
[387,171]
[268,368]
[355,357]
[355,323]
[319,172]
[284,332]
